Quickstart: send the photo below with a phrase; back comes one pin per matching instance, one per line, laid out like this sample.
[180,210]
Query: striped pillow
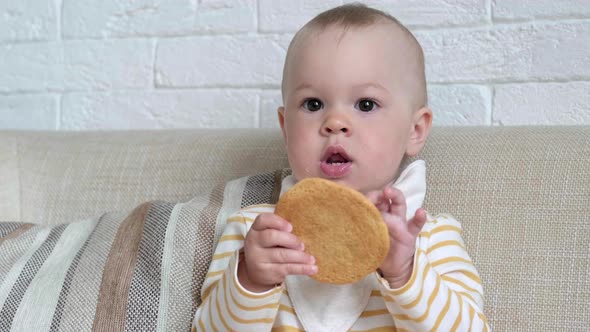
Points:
[141,271]
[117,272]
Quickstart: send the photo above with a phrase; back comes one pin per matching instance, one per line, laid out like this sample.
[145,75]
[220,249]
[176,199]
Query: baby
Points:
[354,104]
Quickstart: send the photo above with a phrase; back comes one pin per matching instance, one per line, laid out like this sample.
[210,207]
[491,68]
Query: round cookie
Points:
[339,226]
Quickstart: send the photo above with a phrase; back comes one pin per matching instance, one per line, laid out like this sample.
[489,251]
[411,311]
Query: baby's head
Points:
[354,98]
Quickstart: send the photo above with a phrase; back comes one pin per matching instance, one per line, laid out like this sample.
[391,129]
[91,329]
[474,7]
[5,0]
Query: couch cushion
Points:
[120,272]
[56,176]
[9,179]
[523,198]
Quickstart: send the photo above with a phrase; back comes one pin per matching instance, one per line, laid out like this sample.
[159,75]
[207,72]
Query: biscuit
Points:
[339,226]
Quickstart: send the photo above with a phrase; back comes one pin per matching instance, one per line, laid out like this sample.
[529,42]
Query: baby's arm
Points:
[227,306]
[444,292]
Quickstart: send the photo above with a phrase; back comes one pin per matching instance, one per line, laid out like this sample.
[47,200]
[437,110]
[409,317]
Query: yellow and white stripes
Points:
[226,305]
[443,294]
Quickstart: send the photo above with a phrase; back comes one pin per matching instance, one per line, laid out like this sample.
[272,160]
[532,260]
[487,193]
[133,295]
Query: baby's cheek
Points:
[302,169]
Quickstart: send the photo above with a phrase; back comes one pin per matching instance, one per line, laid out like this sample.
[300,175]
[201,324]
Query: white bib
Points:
[323,307]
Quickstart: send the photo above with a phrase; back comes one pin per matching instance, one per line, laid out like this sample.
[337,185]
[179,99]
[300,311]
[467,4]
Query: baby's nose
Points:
[336,125]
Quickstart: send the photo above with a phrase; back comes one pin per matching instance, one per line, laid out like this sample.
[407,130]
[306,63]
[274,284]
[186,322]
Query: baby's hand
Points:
[397,266]
[271,252]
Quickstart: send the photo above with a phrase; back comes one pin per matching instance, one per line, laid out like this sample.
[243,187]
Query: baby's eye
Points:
[366,105]
[313,104]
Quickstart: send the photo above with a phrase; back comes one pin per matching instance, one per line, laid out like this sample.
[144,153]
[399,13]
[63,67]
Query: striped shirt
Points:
[444,292]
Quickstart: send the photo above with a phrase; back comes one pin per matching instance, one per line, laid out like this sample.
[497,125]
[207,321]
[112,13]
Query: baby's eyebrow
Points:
[303,86]
[358,86]
[369,85]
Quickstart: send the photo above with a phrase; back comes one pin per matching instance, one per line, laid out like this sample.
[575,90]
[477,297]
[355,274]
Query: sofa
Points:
[522,195]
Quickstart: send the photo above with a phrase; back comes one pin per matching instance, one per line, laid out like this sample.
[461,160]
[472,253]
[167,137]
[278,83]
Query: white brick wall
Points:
[120,64]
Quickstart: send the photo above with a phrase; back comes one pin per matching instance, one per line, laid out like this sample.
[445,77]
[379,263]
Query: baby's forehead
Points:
[399,46]
[391,38]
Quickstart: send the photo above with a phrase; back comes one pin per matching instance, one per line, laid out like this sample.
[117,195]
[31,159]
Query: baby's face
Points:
[347,114]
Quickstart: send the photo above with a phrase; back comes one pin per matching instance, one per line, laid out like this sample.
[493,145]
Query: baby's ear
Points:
[281,114]
[421,124]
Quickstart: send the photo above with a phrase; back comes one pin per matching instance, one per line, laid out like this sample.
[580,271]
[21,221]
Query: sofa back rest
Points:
[521,194]
[523,198]
[56,177]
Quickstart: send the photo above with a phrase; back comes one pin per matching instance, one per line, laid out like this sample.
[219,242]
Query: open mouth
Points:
[336,154]
[335,162]
[337,159]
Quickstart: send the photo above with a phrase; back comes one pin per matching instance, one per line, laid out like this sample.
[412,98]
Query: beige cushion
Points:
[55,177]
[522,195]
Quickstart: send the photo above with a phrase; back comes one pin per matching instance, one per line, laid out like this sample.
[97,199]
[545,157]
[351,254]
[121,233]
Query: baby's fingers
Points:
[373,196]
[271,238]
[397,201]
[376,197]
[296,269]
[271,221]
[282,255]
[415,226]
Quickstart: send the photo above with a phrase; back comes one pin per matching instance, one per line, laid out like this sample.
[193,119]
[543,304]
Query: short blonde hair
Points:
[358,15]
[351,15]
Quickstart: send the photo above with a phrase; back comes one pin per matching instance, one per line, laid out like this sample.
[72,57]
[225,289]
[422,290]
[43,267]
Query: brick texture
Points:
[115,18]
[29,111]
[89,64]
[28,20]
[542,104]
